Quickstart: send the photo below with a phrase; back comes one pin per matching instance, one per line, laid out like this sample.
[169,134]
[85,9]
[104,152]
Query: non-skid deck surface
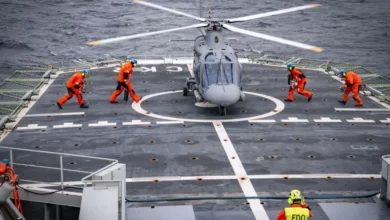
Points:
[303,138]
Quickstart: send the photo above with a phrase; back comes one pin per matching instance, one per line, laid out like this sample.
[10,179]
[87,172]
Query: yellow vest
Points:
[297,213]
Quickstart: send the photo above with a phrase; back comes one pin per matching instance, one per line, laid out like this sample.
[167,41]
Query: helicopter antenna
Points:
[200,8]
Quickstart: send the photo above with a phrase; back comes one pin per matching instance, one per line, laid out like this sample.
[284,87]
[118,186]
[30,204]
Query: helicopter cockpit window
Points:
[224,71]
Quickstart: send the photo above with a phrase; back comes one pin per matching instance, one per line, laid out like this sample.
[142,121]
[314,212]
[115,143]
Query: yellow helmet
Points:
[295,197]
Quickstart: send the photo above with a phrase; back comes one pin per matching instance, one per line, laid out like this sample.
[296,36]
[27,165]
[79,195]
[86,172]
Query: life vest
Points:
[297,213]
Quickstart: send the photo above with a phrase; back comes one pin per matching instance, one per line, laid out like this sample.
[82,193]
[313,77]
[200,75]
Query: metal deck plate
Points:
[304,138]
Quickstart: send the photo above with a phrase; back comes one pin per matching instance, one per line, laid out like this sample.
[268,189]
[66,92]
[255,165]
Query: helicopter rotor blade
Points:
[271,38]
[168,9]
[116,39]
[266,14]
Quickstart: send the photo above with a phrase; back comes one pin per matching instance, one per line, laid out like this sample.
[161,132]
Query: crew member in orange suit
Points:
[298,208]
[299,82]
[74,84]
[124,82]
[352,84]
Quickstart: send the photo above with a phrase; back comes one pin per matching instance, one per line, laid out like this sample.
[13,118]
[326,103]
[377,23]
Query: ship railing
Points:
[37,154]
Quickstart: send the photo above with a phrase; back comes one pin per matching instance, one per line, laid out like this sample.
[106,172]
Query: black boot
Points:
[343,102]
[84,105]
[287,100]
[59,106]
[309,99]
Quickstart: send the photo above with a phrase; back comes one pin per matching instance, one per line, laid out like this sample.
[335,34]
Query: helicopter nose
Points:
[223,95]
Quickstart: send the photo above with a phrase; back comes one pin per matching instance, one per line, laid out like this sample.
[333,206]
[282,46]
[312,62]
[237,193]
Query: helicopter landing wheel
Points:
[222,110]
[185,91]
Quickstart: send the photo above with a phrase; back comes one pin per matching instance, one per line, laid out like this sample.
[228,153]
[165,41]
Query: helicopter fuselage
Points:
[216,70]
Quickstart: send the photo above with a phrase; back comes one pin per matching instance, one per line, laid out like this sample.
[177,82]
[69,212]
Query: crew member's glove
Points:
[294,84]
[82,90]
[342,88]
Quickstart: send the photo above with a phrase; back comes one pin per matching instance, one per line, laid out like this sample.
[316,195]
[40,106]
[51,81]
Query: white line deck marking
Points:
[68,125]
[169,122]
[263,121]
[327,120]
[137,107]
[294,119]
[101,124]
[136,122]
[54,114]
[243,179]
[386,121]
[31,127]
[361,120]
[361,109]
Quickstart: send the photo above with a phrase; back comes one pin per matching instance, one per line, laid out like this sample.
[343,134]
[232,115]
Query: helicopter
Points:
[216,74]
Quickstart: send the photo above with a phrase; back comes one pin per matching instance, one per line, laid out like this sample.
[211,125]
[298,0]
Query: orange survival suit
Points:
[352,84]
[300,78]
[74,84]
[124,82]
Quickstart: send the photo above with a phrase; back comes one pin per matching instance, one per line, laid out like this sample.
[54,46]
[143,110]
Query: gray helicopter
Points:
[216,74]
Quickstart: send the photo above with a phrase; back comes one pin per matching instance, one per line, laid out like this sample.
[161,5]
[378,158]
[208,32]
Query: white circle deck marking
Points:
[137,107]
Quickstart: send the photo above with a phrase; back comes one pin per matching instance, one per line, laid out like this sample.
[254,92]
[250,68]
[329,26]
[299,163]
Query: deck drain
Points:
[199,179]
[152,207]
[323,99]
[146,101]
[251,124]
[76,145]
[80,129]
[247,203]
[370,139]
[311,156]
[156,181]
[352,124]
[72,163]
[233,158]
[115,142]
[264,99]
[37,146]
[285,124]
[171,81]
[262,203]
[43,130]
[273,157]
[148,113]
[116,113]
[176,101]
[184,125]
[286,177]
[153,159]
[151,142]
[319,124]
[188,141]
[180,113]
[243,111]
[49,116]
[145,90]
[242,178]
[257,89]
[328,177]
[194,158]
[149,126]
[306,110]
[351,156]
[260,139]
[297,139]
[334,139]
[144,81]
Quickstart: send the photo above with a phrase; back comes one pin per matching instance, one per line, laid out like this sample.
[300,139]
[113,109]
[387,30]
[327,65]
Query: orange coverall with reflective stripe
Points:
[124,82]
[73,85]
[352,84]
[301,80]
[282,216]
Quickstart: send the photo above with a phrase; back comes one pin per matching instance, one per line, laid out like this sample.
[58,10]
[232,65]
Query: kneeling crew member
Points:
[124,82]
[298,209]
[74,84]
[352,84]
[300,78]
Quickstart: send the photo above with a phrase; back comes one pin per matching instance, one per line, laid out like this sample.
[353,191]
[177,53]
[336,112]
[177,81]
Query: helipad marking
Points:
[31,127]
[137,107]
[360,120]
[101,124]
[362,109]
[294,119]
[169,122]
[54,114]
[68,125]
[263,121]
[136,122]
[243,179]
[327,120]
[386,121]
